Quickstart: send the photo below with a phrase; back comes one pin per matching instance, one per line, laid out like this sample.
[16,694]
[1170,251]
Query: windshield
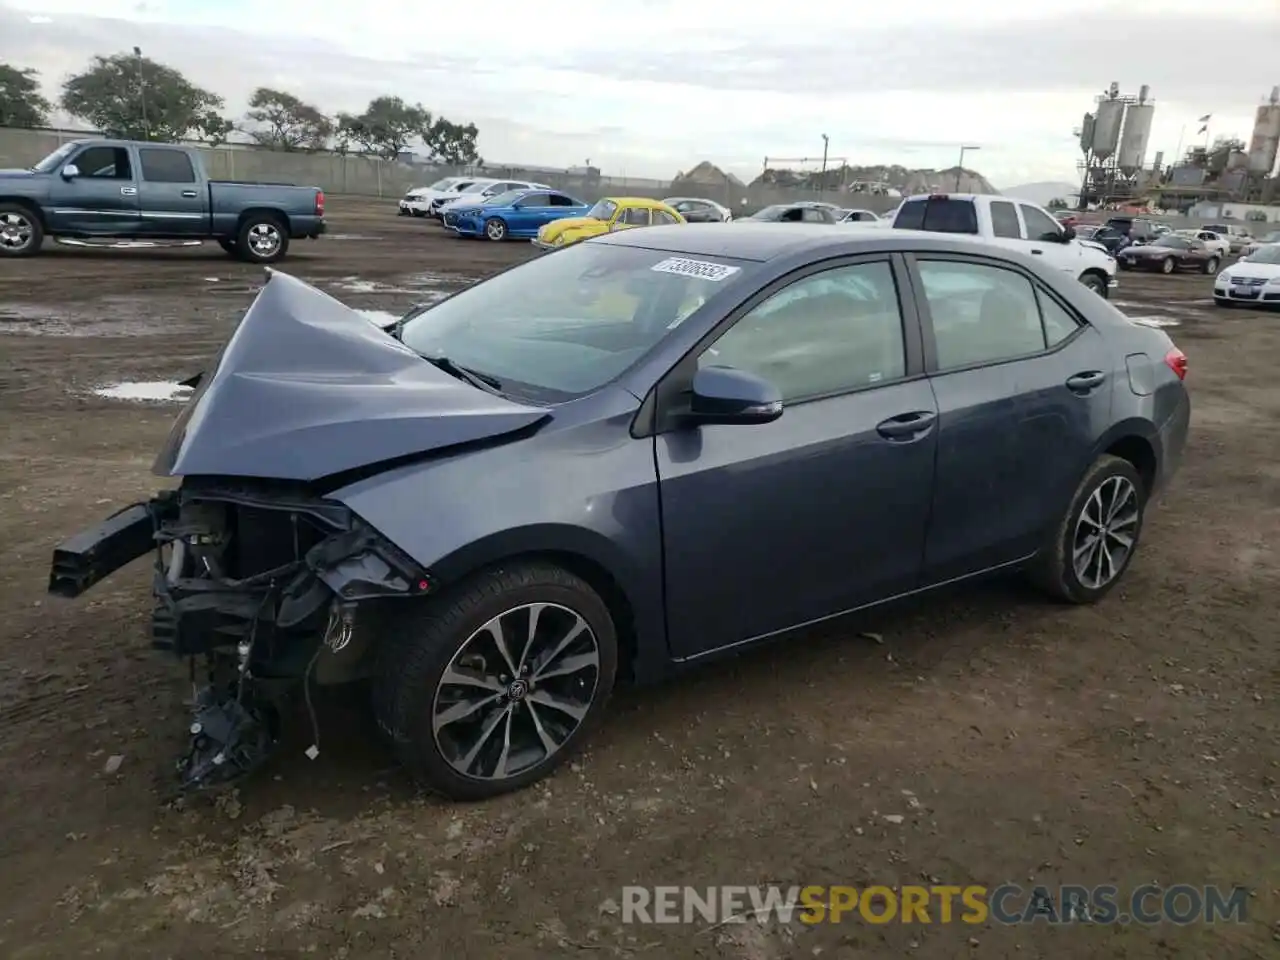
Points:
[1269,254]
[444,184]
[603,210]
[1172,243]
[54,160]
[478,187]
[564,325]
[1272,237]
[506,199]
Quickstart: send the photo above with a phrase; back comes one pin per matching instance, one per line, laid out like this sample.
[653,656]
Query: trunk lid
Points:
[306,388]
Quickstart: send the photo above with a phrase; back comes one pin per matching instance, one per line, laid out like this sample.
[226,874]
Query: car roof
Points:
[636,201]
[765,241]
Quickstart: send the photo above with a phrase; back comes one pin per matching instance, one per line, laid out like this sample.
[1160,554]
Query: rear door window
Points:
[1004,220]
[166,166]
[938,215]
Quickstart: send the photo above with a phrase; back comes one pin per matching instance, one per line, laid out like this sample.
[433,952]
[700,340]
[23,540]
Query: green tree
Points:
[21,104]
[132,97]
[1057,203]
[387,126]
[452,143]
[284,122]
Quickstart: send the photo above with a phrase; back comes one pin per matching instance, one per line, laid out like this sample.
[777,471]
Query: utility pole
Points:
[960,166]
[822,183]
[142,94]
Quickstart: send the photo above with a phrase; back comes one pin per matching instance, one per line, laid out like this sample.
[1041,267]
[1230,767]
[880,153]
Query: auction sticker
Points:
[702,269]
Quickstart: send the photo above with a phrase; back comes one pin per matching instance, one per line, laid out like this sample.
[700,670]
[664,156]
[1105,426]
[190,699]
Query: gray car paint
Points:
[721,535]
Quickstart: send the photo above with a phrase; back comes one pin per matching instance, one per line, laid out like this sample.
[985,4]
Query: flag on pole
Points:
[1205,118]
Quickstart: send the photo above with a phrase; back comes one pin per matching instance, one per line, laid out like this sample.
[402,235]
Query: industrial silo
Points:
[1086,133]
[1265,142]
[1107,121]
[1137,131]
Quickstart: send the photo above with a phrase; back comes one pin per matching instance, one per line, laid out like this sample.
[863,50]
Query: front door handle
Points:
[1086,382]
[1037,252]
[128,191]
[189,194]
[907,426]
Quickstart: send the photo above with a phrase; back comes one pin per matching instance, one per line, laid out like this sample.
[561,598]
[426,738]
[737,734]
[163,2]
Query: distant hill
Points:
[1044,191]
[875,179]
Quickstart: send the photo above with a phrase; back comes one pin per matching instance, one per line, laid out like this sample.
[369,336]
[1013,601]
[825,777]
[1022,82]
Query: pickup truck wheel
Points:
[1095,282]
[262,239]
[489,687]
[20,231]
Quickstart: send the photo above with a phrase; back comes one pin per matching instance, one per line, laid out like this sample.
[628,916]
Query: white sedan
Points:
[1253,279]
[416,201]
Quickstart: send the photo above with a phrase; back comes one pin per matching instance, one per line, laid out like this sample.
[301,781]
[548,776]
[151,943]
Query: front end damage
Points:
[264,591]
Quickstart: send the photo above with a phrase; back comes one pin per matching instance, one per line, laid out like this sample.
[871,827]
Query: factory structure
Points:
[1114,169]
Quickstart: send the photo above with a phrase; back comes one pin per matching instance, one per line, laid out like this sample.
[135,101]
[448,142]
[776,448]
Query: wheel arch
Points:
[587,555]
[1138,442]
[275,213]
[30,206]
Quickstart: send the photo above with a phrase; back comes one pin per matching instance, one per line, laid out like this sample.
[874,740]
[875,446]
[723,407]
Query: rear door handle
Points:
[907,426]
[128,191]
[1086,382]
[190,194]
[1037,252]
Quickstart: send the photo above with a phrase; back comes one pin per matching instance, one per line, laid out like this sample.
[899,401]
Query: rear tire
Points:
[21,232]
[457,752]
[262,239]
[1107,510]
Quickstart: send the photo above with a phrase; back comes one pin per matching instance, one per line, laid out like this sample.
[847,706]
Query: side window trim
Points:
[658,412]
[1043,294]
[929,345]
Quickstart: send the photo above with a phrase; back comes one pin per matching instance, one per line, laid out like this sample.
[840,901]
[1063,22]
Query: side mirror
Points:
[70,172]
[728,395]
[1068,233]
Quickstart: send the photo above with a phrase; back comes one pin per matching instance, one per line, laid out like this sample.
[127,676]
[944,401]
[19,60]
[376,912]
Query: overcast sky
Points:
[649,87]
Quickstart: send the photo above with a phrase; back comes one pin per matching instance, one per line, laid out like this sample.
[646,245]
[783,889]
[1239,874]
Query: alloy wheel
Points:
[15,231]
[264,239]
[495,230]
[516,691]
[1105,532]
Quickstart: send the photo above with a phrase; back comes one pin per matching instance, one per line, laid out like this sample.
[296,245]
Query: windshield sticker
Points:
[702,269]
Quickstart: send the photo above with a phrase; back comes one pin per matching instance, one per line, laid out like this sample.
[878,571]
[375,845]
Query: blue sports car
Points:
[516,213]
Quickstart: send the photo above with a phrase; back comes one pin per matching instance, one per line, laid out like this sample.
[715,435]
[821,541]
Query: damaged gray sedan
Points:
[621,458]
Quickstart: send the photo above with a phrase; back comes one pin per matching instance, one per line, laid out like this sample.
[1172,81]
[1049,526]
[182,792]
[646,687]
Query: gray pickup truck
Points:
[122,189]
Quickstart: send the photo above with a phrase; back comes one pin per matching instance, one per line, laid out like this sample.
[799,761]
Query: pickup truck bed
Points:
[120,189]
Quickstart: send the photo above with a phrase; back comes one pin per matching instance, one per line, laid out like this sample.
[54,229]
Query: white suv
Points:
[1013,224]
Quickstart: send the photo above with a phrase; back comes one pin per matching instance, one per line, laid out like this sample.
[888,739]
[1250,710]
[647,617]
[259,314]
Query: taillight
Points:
[1176,361]
[319,203]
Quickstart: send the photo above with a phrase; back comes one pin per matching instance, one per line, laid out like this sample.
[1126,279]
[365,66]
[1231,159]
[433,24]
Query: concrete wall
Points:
[361,176]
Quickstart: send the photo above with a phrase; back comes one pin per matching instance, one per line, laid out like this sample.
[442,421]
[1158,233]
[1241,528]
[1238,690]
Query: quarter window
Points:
[166,166]
[662,217]
[827,333]
[980,314]
[1004,220]
[1058,322]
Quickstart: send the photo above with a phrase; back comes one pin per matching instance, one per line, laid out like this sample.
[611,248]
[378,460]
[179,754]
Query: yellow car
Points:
[610,213]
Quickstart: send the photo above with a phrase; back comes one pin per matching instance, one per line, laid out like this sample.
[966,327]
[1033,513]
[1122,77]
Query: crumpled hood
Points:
[306,388]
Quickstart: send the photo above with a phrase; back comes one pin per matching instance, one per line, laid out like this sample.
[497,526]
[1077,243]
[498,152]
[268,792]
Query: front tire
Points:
[490,687]
[262,239]
[1211,266]
[1097,537]
[1095,283]
[495,229]
[1167,265]
[21,232]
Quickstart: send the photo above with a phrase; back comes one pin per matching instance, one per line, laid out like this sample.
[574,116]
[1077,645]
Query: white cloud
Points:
[651,86]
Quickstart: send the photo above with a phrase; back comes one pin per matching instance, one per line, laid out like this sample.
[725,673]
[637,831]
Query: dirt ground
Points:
[984,737]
